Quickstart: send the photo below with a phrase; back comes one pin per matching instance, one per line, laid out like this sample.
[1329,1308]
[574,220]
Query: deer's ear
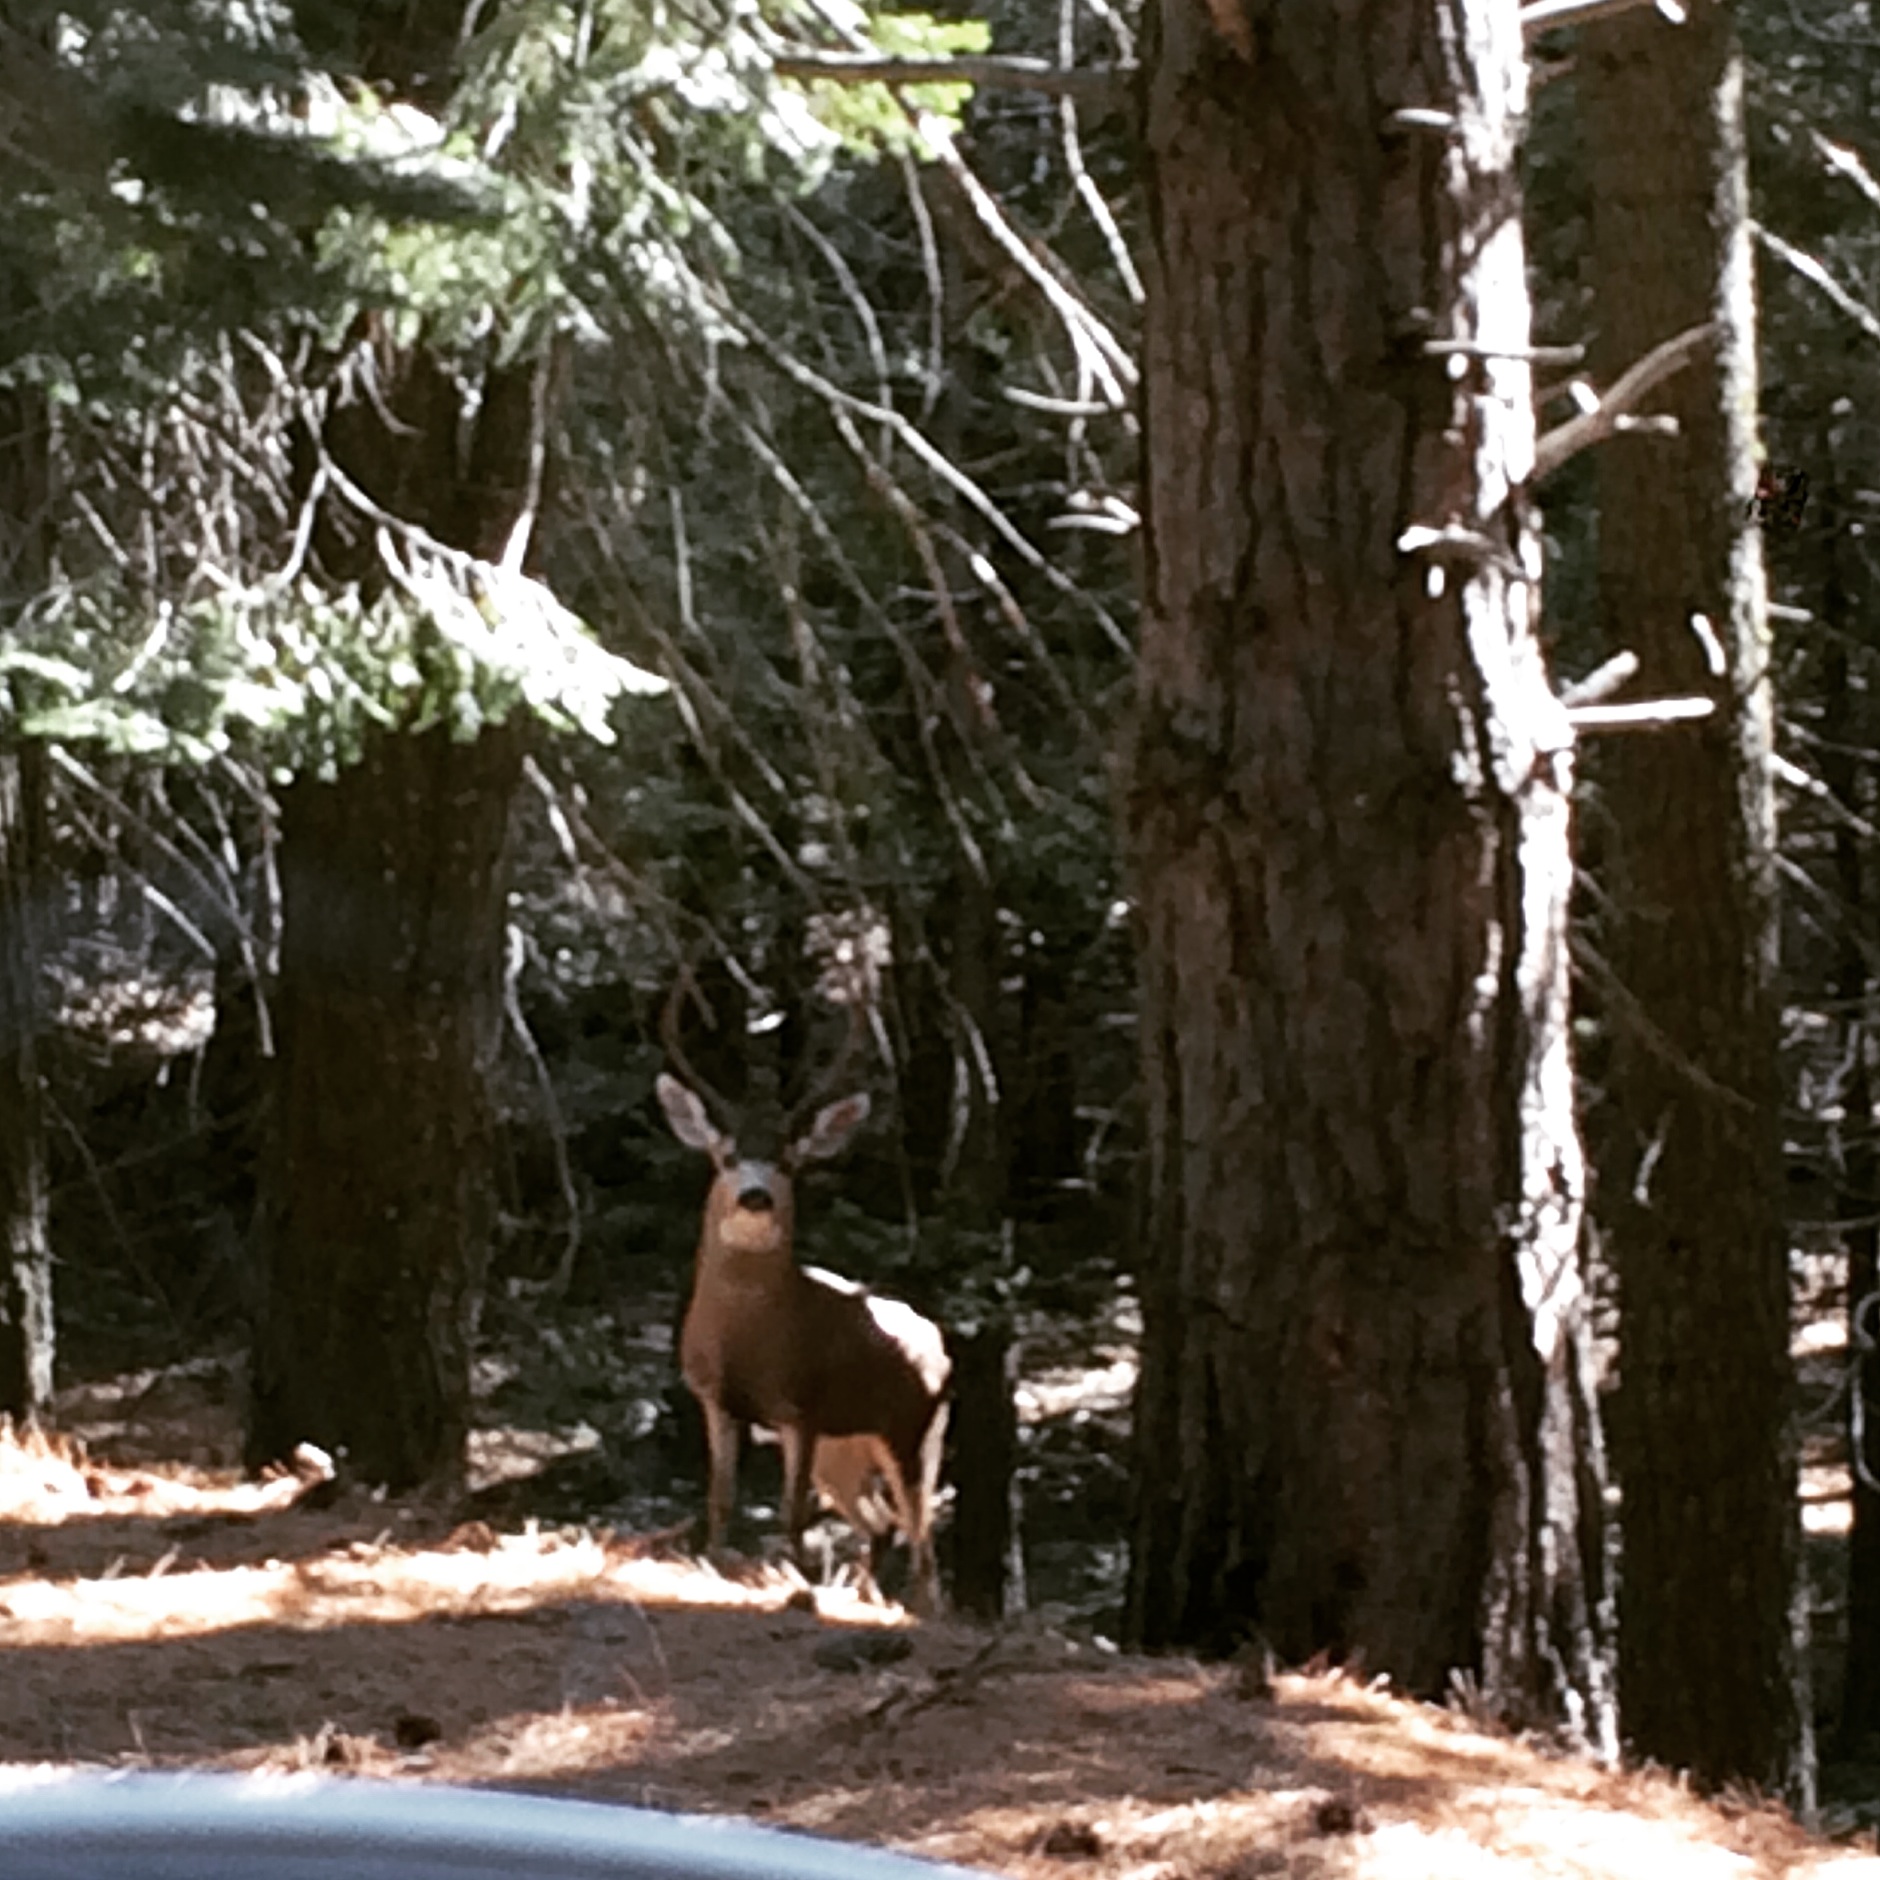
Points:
[831,1130]
[690,1120]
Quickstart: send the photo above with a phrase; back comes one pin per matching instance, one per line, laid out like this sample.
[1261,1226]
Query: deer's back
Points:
[808,1347]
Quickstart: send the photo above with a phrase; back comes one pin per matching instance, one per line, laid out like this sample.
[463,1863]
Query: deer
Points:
[853,1384]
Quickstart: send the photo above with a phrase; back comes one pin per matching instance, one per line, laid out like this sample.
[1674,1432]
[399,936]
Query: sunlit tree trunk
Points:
[1711,1674]
[1365,1424]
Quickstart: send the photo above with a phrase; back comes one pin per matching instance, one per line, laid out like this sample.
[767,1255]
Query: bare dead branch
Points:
[936,460]
[1637,382]
[1101,356]
[1095,523]
[1095,204]
[1460,546]
[1647,715]
[1846,163]
[1601,682]
[1058,407]
[1534,355]
[1645,424]
[1821,280]
[517,954]
[1786,771]
[215,887]
[934,377]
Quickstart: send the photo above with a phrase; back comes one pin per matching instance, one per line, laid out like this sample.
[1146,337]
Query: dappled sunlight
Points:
[1066,1390]
[376,1584]
[45,1481]
[1827,1498]
[169,1617]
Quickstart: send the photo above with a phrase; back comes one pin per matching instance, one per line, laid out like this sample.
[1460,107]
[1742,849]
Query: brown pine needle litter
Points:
[157,1615]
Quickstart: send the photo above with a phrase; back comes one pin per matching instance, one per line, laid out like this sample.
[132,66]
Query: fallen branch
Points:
[1567,440]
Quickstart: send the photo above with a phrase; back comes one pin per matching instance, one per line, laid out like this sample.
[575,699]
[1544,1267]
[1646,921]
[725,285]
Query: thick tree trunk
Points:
[1712,1676]
[378,1185]
[1364,1426]
[377,1219]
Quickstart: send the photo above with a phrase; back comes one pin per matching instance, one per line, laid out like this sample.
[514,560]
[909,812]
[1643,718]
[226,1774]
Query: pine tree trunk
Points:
[1857,1190]
[378,1213]
[378,1191]
[1846,738]
[26,1318]
[26,1322]
[1364,1426]
[1711,1671]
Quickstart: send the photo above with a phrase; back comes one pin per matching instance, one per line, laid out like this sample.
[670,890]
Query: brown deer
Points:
[854,1385]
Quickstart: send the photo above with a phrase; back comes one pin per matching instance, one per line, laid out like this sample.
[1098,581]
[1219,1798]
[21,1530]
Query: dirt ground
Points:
[165,1614]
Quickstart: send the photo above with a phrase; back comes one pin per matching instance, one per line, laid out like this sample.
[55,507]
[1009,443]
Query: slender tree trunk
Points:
[26,1323]
[379,1211]
[1712,1676]
[1364,1424]
[1857,1188]
[26,1319]
[984,1555]
[1846,736]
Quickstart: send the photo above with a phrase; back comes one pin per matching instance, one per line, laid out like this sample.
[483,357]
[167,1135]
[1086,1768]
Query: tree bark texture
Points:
[1847,734]
[26,1321]
[983,1544]
[378,1216]
[1711,1671]
[1365,1424]
[379,1174]
[27,1331]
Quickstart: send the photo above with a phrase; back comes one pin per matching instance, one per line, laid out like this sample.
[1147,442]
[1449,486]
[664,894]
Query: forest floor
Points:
[169,1613]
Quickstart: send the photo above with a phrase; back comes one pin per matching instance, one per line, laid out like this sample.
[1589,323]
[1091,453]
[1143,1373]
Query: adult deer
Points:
[854,1385]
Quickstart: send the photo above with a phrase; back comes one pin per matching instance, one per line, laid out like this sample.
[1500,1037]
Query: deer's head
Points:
[752,1204]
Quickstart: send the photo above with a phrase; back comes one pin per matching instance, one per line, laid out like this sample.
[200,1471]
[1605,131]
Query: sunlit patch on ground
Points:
[162,1615]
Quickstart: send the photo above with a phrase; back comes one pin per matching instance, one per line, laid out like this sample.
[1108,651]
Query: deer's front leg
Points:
[799,1445]
[721,1437]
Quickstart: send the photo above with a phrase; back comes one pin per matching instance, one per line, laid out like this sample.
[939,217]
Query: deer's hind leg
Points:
[856,1476]
[920,1495]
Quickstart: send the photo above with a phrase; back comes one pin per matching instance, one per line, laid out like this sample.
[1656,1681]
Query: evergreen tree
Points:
[1363,1422]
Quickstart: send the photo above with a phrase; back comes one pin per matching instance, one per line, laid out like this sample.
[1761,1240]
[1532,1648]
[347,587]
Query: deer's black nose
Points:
[757,1200]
